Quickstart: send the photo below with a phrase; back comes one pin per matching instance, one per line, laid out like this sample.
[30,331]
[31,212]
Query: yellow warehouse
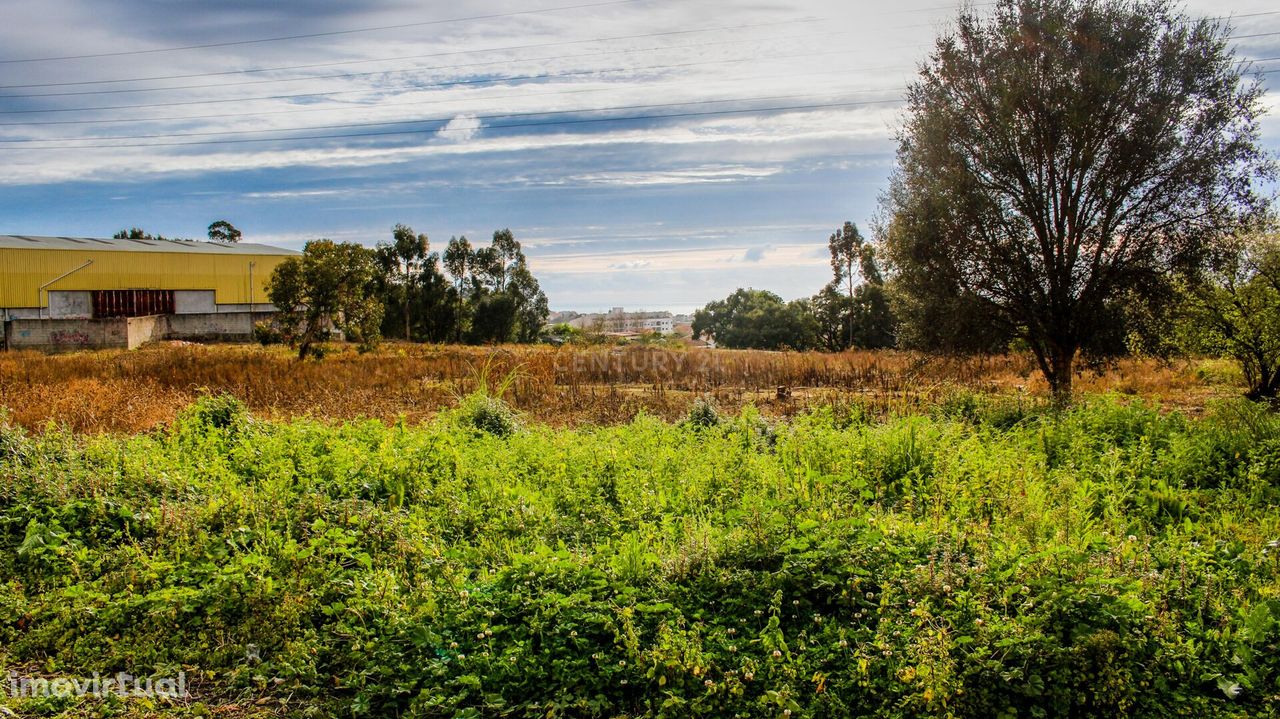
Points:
[67,293]
[79,277]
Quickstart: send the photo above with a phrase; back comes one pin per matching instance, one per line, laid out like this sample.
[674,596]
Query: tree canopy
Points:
[331,286]
[1060,161]
[137,233]
[482,295]
[756,319]
[861,317]
[223,231]
[402,263]
[1235,310]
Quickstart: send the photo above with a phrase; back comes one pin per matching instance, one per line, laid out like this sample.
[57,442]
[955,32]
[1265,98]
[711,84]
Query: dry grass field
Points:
[123,392]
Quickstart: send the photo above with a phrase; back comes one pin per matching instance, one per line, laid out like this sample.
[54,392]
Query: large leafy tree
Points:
[874,323]
[847,250]
[507,256]
[1061,159]
[331,286]
[532,308]
[1235,310]
[495,320]
[488,294]
[862,316]
[459,262]
[508,304]
[224,232]
[756,319]
[403,262]
[831,312]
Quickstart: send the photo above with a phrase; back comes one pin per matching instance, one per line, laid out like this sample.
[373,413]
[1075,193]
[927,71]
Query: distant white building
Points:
[619,321]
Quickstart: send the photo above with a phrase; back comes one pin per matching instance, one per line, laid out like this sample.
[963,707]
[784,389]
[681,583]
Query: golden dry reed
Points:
[121,392]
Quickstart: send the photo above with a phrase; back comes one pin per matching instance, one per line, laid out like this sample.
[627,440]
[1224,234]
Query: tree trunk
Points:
[307,339]
[1061,369]
[1267,383]
[849,313]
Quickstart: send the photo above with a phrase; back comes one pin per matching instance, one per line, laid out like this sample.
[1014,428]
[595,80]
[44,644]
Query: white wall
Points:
[70,305]
[191,302]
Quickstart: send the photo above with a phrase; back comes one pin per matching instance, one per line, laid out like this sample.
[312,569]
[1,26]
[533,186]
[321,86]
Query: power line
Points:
[375,29]
[366,107]
[330,33]
[385,123]
[543,58]
[506,48]
[1251,14]
[451,83]
[399,71]
[1261,34]
[362,108]
[579,121]
[445,120]
[406,70]
[544,76]
[415,87]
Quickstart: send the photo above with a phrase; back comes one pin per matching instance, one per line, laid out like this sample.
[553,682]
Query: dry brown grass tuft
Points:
[122,392]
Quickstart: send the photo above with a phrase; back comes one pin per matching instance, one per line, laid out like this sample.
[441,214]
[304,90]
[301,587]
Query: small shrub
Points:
[702,414]
[758,430]
[267,333]
[221,411]
[489,414]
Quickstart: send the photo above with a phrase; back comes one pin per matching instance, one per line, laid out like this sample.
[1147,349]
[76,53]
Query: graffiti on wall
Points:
[73,338]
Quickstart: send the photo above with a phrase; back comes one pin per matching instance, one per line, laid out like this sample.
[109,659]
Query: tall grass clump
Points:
[484,409]
[488,414]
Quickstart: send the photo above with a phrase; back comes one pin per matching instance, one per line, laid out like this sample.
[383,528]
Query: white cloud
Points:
[691,176]
[290,194]
[630,265]
[460,129]
[670,259]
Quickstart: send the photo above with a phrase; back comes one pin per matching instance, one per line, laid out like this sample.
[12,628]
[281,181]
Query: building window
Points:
[132,303]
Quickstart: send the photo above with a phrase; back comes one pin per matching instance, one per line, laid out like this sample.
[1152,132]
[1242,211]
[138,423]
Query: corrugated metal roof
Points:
[25,242]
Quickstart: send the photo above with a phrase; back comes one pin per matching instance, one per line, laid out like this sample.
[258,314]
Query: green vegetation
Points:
[830,320]
[400,289]
[330,287]
[987,559]
[224,232]
[480,295]
[1061,163]
[1235,311]
[755,319]
[1064,169]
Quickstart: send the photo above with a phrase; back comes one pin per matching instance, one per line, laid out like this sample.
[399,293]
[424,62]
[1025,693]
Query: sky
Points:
[650,154]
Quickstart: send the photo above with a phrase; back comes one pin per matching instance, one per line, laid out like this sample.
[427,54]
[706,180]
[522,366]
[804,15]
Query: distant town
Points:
[621,324]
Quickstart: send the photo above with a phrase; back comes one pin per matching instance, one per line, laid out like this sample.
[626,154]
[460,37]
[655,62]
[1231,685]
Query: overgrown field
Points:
[121,392]
[983,559]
